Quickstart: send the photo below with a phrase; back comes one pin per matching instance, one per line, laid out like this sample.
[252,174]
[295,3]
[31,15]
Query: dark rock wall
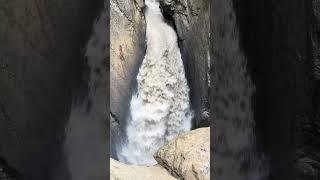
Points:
[127,50]
[315,40]
[191,20]
[7,172]
[308,143]
[282,62]
[274,37]
[42,67]
[315,37]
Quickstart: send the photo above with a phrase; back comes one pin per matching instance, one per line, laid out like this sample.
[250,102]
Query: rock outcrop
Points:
[120,171]
[41,70]
[187,156]
[191,19]
[127,48]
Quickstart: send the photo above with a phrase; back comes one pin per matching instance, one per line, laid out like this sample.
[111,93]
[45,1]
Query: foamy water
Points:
[160,109]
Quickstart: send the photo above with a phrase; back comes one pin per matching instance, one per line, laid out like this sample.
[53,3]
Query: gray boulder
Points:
[188,156]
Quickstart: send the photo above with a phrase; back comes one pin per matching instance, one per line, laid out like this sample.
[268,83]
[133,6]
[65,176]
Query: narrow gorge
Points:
[160,90]
[160,109]
[159,96]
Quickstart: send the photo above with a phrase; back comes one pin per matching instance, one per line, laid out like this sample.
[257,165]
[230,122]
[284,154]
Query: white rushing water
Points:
[160,109]
[86,141]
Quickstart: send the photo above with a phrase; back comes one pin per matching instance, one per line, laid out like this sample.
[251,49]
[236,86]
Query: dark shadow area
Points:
[44,68]
[274,37]
[192,33]
[7,172]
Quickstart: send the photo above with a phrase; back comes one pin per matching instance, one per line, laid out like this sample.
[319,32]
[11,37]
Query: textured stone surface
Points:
[6,172]
[308,143]
[120,171]
[127,47]
[234,140]
[41,68]
[187,156]
[191,19]
[274,39]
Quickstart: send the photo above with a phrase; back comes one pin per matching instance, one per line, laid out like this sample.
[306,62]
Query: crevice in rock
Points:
[7,172]
[115,118]
[168,13]
[123,12]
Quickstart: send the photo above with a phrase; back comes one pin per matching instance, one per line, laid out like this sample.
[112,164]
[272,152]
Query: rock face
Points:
[191,19]
[120,171]
[41,65]
[315,39]
[127,48]
[234,139]
[274,38]
[188,156]
[6,172]
[308,156]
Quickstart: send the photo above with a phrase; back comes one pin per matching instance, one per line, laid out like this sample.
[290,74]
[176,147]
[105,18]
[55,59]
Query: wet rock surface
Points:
[127,49]
[191,21]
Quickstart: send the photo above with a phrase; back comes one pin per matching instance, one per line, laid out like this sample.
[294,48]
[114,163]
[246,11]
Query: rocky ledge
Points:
[121,171]
[186,157]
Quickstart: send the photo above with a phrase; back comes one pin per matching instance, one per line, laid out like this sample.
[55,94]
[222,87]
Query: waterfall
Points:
[86,140]
[160,109]
[235,153]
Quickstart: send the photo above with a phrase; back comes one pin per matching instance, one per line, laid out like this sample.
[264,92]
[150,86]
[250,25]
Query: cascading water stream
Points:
[160,109]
